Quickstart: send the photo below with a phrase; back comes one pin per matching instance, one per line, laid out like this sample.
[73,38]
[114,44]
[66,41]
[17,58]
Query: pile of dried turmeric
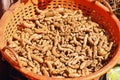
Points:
[60,43]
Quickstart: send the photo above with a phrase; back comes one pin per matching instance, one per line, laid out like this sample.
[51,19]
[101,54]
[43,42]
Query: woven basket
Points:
[99,13]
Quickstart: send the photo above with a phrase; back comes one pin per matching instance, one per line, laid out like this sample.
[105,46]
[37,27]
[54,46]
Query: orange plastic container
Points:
[99,13]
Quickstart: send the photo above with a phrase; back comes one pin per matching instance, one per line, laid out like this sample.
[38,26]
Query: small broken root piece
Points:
[102,52]
[45,72]
[27,25]
[54,52]
[83,65]
[40,60]
[56,24]
[64,49]
[85,40]
[49,14]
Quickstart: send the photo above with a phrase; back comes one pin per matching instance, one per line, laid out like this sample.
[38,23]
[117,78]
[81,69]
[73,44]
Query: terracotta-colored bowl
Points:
[99,13]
